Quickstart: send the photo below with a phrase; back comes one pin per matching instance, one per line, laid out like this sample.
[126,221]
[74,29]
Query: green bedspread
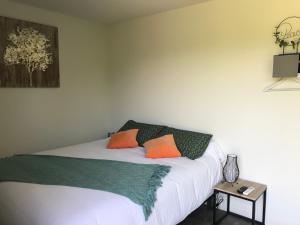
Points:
[138,182]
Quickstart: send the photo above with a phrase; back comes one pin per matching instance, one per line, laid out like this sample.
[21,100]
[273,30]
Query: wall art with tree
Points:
[28,54]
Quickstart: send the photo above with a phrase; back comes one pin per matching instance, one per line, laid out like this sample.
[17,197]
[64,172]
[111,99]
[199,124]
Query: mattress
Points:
[184,189]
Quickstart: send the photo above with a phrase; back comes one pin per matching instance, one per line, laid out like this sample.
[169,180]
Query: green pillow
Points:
[190,144]
[146,131]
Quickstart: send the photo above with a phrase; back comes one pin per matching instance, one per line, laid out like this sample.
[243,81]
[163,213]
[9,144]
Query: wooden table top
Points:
[232,189]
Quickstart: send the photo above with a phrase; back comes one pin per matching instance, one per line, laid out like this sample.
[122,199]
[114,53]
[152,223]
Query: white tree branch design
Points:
[28,47]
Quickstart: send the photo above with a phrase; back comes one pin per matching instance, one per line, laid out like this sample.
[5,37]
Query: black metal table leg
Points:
[228,203]
[253,212]
[264,208]
[214,207]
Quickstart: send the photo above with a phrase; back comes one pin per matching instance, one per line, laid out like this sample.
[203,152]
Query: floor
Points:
[203,216]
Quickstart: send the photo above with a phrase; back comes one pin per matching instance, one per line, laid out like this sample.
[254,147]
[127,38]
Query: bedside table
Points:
[231,190]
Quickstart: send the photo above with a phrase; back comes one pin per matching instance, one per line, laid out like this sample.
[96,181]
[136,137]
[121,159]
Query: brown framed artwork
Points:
[28,54]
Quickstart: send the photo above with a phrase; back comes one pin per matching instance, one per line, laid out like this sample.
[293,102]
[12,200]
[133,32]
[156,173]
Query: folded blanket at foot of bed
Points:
[138,182]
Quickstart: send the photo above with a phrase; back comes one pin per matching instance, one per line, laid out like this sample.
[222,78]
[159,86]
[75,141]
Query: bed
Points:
[184,189]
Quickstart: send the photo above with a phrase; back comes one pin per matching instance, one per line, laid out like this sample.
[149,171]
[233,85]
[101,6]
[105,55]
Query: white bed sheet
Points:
[184,189]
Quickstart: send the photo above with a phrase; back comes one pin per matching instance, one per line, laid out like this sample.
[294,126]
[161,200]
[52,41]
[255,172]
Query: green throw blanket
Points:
[138,182]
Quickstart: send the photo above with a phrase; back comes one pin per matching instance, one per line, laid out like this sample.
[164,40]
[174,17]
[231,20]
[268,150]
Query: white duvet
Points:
[184,189]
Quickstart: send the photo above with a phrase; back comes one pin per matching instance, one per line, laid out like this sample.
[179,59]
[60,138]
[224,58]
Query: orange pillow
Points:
[162,147]
[123,139]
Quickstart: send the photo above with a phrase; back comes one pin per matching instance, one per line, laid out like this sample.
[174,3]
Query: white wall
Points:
[39,119]
[204,68]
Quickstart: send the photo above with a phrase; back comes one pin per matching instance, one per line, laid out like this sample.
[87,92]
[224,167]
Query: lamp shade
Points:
[231,170]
